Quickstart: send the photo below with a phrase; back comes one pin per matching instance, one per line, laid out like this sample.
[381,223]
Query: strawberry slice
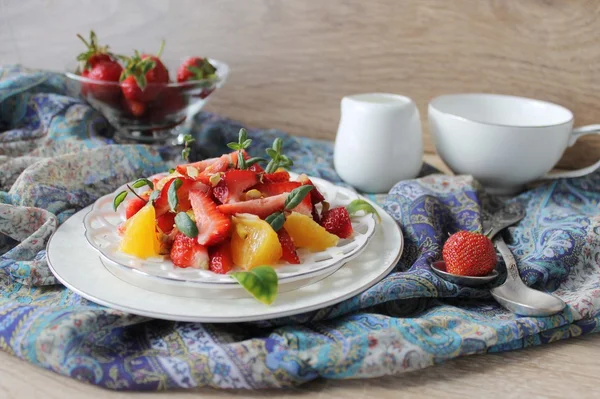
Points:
[133,206]
[287,245]
[220,258]
[315,195]
[262,207]
[162,202]
[337,221]
[213,226]
[186,252]
[270,189]
[276,177]
[200,166]
[166,222]
[233,184]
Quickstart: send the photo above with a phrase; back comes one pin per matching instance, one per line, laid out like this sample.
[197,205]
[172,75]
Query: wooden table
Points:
[564,369]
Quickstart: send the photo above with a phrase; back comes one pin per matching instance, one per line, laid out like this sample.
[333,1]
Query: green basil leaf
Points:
[172,194]
[186,225]
[296,196]
[143,182]
[241,161]
[154,195]
[252,161]
[261,282]
[276,220]
[271,152]
[119,199]
[185,154]
[233,146]
[361,205]
[242,136]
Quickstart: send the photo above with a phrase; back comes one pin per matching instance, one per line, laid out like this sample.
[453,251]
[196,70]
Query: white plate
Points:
[77,265]
[101,232]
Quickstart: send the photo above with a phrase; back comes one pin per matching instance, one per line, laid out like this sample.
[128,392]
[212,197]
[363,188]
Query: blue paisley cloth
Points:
[57,157]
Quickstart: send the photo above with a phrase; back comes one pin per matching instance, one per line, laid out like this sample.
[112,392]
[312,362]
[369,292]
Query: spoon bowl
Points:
[526,301]
[439,268]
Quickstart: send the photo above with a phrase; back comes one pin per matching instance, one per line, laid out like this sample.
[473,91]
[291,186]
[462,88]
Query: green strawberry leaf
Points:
[172,194]
[143,182]
[276,220]
[261,282]
[119,199]
[186,225]
[361,205]
[296,196]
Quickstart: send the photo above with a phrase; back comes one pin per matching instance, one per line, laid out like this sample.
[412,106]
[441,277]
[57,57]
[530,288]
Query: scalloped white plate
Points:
[101,232]
[78,266]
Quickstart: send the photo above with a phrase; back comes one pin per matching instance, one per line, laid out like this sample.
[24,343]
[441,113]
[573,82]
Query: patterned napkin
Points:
[56,158]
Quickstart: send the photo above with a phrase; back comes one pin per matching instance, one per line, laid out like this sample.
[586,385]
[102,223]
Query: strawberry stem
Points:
[160,49]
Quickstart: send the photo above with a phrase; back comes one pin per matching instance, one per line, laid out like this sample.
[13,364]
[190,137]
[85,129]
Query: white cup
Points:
[503,141]
[378,142]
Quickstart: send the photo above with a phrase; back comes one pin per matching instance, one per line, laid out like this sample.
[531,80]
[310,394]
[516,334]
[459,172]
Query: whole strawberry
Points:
[144,77]
[195,68]
[94,54]
[99,65]
[469,254]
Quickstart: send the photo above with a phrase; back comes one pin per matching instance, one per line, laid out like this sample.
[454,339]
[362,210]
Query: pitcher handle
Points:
[576,134]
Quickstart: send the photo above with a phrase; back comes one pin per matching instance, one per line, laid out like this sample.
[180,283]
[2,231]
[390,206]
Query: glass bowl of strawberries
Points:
[138,95]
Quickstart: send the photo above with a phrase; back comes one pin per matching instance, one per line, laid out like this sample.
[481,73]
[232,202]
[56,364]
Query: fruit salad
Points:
[232,214]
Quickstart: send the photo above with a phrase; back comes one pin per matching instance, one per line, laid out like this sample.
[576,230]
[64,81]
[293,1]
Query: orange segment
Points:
[306,233]
[140,236]
[253,242]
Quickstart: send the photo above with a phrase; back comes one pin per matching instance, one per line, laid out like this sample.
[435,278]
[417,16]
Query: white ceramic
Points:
[504,141]
[77,265]
[102,222]
[379,141]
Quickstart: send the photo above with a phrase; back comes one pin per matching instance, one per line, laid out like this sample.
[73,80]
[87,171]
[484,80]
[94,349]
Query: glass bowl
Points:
[161,119]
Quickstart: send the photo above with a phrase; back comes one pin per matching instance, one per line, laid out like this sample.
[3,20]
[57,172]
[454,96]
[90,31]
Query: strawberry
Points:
[162,202]
[135,108]
[337,221]
[232,185]
[195,68]
[223,163]
[106,73]
[186,252]
[278,176]
[315,195]
[262,207]
[270,189]
[287,245]
[220,258]
[213,226]
[94,54]
[144,77]
[166,222]
[200,166]
[469,254]
[170,101]
[133,206]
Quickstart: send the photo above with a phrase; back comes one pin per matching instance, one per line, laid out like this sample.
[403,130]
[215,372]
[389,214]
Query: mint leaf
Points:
[296,196]
[261,282]
[172,194]
[186,225]
[276,220]
[143,182]
[361,205]
[119,199]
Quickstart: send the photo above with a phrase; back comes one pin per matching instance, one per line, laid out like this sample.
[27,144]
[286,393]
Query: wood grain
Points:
[292,60]
[559,370]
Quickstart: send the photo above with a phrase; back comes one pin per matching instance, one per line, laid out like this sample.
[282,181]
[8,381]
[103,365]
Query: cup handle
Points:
[575,134]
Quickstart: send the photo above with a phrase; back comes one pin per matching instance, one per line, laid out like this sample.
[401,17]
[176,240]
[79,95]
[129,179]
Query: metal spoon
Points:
[514,295]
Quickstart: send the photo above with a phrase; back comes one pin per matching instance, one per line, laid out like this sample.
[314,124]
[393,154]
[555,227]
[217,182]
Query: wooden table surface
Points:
[563,369]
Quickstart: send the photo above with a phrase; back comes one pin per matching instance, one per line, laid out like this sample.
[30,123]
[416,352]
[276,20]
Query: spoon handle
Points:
[509,260]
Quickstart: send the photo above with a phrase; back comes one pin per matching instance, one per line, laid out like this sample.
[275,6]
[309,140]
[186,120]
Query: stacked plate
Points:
[83,254]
